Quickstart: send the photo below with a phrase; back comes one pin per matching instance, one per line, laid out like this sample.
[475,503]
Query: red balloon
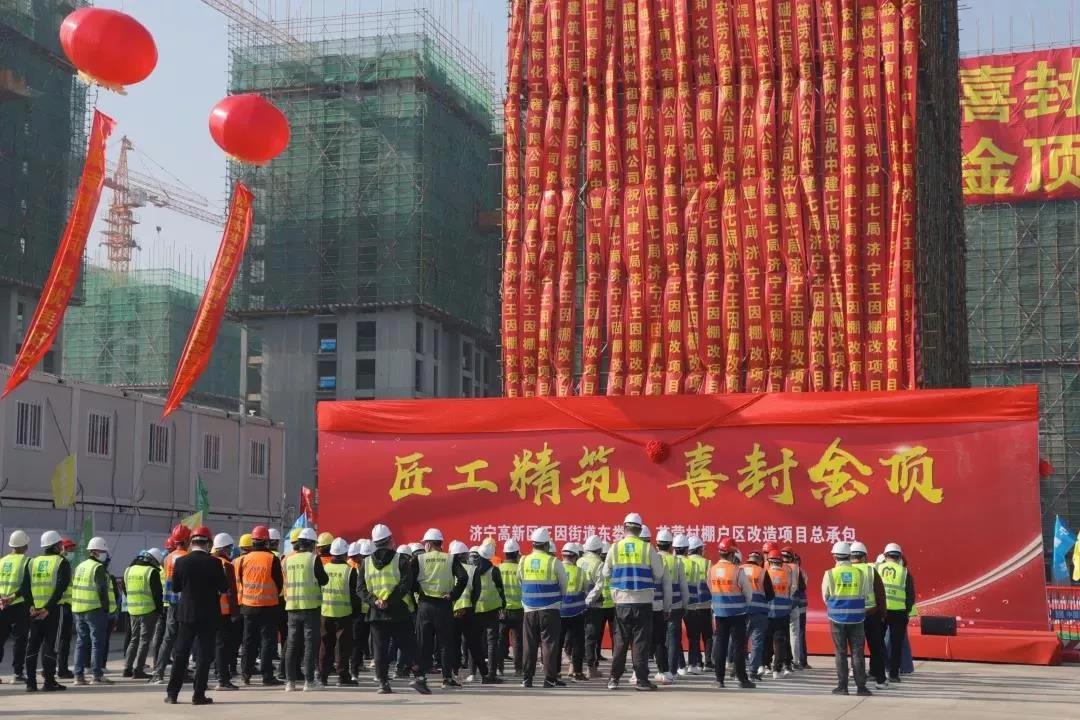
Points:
[249,127]
[108,47]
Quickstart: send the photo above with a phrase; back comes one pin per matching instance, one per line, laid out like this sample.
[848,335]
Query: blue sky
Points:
[166,115]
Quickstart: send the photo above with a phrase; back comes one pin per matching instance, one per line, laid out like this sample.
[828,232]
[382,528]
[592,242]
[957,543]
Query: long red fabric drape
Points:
[709,197]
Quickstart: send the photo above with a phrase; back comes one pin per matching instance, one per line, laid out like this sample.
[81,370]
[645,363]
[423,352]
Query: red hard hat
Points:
[774,555]
[203,532]
[69,545]
[769,547]
[727,545]
[788,549]
[259,532]
[181,534]
[170,544]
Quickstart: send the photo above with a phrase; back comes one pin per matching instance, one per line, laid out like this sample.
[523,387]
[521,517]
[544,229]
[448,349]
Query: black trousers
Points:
[203,637]
[360,640]
[63,644]
[696,630]
[658,644]
[260,637]
[43,642]
[168,640]
[383,632]
[483,641]
[633,624]
[875,640]
[573,641]
[435,626]
[303,643]
[15,623]
[730,630]
[510,630]
[542,629]
[228,641]
[336,648]
[596,619]
[896,621]
[778,639]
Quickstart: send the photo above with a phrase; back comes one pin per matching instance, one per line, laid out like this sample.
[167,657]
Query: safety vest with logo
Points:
[756,575]
[591,565]
[256,579]
[631,565]
[436,577]
[727,595]
[336,600]
[894,578]
[168,596]
[12,571]
[382,581]
[573,602]
[140,601]
[511,585]
[43,578]
[847,601]
[539,581]
[704,592]
[302,591]
[869,573]
[690,571]
[489,595]
[364,605]
[781,583]
[84,593]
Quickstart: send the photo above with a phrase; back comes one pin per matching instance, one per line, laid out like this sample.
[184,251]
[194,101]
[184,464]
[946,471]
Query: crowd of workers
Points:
[420,609]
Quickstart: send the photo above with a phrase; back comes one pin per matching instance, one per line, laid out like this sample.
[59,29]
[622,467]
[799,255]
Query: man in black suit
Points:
[199,579]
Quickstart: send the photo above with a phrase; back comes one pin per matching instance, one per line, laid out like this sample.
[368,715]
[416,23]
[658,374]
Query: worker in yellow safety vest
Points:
[845,589]
[92,602]
[340,600]
[50,577]
[15,599]
[305,577]
[601,612]
[142,582]
[899,600]
[513,614]
[482,630]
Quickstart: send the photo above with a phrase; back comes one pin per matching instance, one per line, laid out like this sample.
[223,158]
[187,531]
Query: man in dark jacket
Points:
[50,576]
[199,580]
[482,631]
[386,579]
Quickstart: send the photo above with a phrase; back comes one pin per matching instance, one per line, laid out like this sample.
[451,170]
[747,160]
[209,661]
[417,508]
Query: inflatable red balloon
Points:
[108,47]
[249,128]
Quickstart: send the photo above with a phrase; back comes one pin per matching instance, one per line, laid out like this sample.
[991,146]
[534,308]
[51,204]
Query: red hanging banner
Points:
[64,273]
[614,172]
[675,112]
[891,82]
[512,210]
[724,301]
[215,299]
[595,195]
[851,179]
[906,233]
[653,233]
[874,226]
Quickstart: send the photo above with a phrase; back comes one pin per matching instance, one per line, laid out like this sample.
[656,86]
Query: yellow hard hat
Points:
[245,540]
[325,538]
[294,534]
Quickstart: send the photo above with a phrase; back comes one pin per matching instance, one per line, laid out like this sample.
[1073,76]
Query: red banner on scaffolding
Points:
[215,299]
[64,274]
[1021,126]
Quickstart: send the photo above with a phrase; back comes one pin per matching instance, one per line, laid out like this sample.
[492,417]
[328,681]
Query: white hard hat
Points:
[366,547]
[841,548]
[156,554]
[632,519]
[275,534]
[415,547]
[487,551]
[858,547]
[680,541]
[893,548]
[511,546]
[694,542]
[664,536]
[339,547]
[540,535]
[97,543]
[646,533]
[433,535]
[49,538]
[458,548]
[574,548]
[354,549]
[18,539]
[606,547]
[880,559]
[222,540]
[380,532]
[594,543]
[404,550]
[307,534]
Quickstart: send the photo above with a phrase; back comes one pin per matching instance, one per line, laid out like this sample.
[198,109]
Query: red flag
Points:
[64,273]
[307,505]
[200,342]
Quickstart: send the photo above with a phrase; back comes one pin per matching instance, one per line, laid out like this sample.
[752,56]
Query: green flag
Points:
[80,554]
[202,498]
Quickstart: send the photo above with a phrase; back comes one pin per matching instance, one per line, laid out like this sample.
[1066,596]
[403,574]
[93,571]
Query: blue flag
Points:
[300,522]
[1063,545]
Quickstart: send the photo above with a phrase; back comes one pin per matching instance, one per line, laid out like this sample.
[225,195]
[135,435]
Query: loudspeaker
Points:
[937,625]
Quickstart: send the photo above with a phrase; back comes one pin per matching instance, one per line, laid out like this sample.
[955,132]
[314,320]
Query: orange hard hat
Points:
[259,532]
[727,545]
[769,547]
[181,534]
[775,555]
[170,544]
[788,550]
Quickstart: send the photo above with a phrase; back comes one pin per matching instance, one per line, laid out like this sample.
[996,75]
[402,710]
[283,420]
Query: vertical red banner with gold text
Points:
[615,170]
[675,111]
[650,163]
[633,381]
[909,81]
[891,83]
[851,179]
[215,299]
[595,196]
[512,210]
[874,226]
[722,216]
[529,292]
[64,273]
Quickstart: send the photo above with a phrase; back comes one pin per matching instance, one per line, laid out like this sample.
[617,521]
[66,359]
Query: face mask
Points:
[104,558]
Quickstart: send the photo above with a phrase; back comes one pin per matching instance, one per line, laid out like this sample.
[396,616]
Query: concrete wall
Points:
[12,327]
[123,490]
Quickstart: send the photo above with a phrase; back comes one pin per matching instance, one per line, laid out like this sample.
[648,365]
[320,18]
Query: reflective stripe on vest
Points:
[727,595]
[364,606]
[237,563]
[336,601]
[511,585]
[436,576]
[465,601]
[690,569]
[573,602]
[489,595]
[12,571]
[302,591]
[167,595]
[894,578]
[43,578]
[847,604]
[869,573]
[382,581]
[781,583]
[631,565]
[756,575]
[704,592]
[84,594]
[140,601]
[539,581]
[670,566]
[257,580]
[591,564]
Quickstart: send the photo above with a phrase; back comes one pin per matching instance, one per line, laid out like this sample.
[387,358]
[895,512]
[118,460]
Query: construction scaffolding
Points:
[131,330]
[379,198]
[43,132]
[1023,299]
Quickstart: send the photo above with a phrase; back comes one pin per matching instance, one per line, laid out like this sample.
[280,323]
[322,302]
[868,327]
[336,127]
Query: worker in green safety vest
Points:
[339,600]
[15,600]
[513,614]
[602,612]
[441,581]
[899,600]
[50,577]
[481,633]
[142,580]
[305,576]
[92,602]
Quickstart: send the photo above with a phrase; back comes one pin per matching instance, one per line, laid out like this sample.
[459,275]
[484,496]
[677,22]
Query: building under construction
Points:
[43,135]
[372,267]
[132,327]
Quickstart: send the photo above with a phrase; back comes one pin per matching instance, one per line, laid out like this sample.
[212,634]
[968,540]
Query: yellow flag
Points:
[193,520]
[63,483]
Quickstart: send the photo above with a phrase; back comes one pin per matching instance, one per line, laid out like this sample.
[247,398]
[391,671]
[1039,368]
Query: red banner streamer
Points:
[891,80]
[910,81]
[614,172]
[874,226]
[851,178]
[512,210]
[653,246]
[596,195]
[64,273]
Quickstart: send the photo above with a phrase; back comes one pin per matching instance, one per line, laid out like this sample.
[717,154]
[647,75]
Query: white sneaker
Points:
[775,675]
[756,672]
[471,678]
[312,686]
[659,676]
[881,686]
[696,670]
[290,686]
[669,679]
[683,672]
[787,672]
[633,678]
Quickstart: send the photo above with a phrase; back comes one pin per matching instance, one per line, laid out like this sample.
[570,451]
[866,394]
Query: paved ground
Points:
[937,690]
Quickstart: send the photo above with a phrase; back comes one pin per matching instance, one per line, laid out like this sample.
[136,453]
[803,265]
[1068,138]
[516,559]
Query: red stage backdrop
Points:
[1021,126]
[951,475]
